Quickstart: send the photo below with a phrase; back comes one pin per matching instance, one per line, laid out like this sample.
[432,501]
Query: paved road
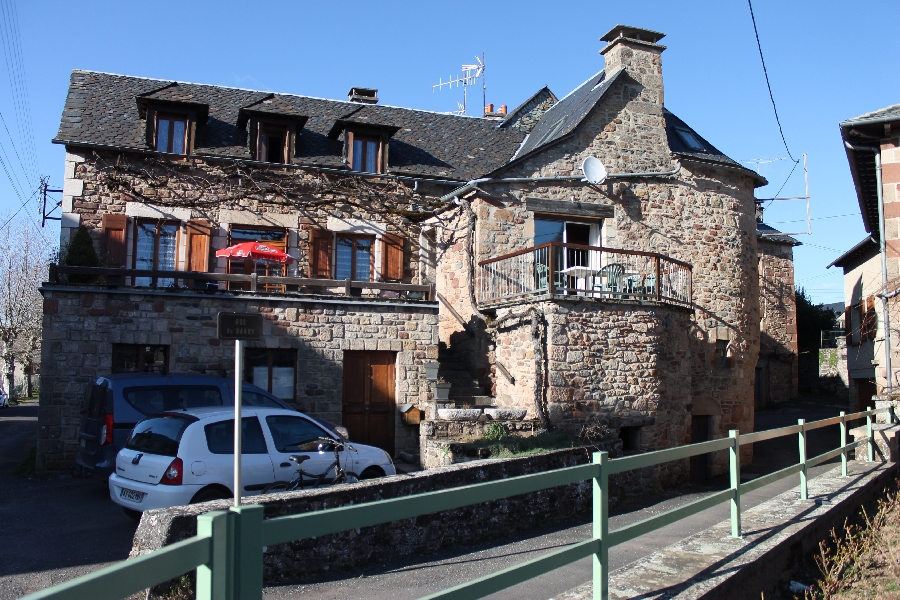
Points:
[51,530]
[406,578]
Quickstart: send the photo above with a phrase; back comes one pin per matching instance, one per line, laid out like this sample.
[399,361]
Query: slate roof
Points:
[770,234]
[858,254]
[887,113]
[101,110]
[709,153]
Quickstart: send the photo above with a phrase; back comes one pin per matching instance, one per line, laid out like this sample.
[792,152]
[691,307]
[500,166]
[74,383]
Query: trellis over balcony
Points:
[211,282]
[575,271]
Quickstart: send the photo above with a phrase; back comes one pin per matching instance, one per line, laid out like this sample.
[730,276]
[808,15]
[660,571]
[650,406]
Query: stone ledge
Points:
[712,565]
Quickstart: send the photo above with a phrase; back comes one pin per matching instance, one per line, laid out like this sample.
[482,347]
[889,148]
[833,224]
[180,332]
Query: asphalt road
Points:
[52,530]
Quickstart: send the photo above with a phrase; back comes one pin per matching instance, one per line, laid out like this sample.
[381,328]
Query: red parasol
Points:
[255,251]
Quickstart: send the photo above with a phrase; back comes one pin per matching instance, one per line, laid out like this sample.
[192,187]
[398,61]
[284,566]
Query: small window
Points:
[139,358]
[293,434]
[160,398]
[723,361]
[631,438]
[220,437]
[271,369]
[354,257]
[155,249]
[171,133]
[364,157]
[689,138]
[273,144]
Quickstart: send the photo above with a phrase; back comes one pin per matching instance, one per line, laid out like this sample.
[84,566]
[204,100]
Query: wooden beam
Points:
[574,209]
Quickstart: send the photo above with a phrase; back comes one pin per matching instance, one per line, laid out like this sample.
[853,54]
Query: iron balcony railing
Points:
[253,282]
[586,271]
[227,551]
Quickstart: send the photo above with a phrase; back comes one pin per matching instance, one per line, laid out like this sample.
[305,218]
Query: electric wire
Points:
[24,204]
[768,85]
[815,219]
[16,185]
[13,143]
[18,85]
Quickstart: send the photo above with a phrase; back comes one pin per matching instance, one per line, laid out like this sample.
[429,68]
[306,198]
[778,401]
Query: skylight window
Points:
[688,137]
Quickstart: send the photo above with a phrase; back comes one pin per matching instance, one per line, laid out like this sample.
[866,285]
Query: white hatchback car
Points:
[183,457]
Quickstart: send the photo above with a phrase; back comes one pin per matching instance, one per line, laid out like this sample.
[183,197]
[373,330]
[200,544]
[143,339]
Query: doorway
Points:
[700,433]
[368,398]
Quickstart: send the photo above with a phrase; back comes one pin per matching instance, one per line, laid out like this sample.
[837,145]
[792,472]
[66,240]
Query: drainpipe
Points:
[474,183]
[882,245]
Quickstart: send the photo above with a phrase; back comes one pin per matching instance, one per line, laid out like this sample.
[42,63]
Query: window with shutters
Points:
[338,255]
[155,249]
[199,234]
[354,257]
[392,258]
[275,237]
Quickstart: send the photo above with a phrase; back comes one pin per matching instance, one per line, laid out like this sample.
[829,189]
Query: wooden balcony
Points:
[212,282]
[573,270]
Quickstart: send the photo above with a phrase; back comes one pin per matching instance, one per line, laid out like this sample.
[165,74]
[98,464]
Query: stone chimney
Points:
[363,95]
[636,50]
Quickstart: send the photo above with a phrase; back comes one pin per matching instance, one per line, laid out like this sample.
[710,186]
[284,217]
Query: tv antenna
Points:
[470,74]
[789,198]
[762,161]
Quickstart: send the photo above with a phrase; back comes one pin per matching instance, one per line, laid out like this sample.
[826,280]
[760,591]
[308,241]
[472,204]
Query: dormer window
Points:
[365,154]
[171,133]
[689,138]
[273,144]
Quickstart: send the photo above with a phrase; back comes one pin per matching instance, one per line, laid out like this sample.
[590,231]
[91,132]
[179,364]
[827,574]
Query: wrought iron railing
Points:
[227,551]
[586,271]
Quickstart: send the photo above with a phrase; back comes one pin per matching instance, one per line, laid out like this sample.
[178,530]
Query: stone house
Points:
[777,372]
[872,143]
[629,302]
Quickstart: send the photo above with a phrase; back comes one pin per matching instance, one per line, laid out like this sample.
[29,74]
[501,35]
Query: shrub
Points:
[80,253]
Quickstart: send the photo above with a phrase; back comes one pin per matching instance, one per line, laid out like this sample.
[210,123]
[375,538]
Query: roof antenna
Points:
[470,74]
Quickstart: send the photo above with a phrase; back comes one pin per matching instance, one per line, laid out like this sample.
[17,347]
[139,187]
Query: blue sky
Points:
[826,62]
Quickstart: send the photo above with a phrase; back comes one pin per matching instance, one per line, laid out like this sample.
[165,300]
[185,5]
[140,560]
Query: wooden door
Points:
[369,402]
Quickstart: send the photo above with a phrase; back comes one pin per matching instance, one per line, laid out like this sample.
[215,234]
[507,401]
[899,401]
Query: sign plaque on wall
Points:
[239,326]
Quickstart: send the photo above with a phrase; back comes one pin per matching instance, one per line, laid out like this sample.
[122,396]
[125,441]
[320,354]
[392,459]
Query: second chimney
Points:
[637,50]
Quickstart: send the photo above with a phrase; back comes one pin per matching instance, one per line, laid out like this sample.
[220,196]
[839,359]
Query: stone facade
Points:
[778,375]
[651,362]
[82,324]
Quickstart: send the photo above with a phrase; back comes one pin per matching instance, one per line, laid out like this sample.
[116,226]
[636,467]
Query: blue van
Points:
[115,403]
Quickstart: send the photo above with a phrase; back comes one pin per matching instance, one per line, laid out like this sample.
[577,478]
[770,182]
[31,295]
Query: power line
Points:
[815,219]
[13,143]
[12,49]
[768,85]
[9,220]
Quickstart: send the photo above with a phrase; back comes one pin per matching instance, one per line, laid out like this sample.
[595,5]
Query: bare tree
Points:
[23,263]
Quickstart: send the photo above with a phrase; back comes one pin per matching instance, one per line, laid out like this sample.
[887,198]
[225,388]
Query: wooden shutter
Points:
[848,325]
[320,253]
[114,227]
[391,257]
[871,319]
[199,236]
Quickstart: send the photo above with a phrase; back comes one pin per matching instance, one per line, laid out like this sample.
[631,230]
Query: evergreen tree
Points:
[80,253]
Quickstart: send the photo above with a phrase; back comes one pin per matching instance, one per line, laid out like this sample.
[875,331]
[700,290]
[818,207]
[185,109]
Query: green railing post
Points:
[804,487]
[734,456]
[215,579]
[601,527]
[844,444]
[871,433]
[248,551]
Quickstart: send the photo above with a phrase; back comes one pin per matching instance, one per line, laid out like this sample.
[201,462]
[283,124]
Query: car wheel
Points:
[209,494]
[132,514]
[371,473]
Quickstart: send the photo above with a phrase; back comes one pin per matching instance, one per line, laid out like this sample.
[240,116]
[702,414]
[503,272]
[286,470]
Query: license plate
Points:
[131,495]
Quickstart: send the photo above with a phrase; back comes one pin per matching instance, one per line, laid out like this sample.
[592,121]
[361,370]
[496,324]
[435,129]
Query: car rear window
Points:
[96,400]
[159,435]
[220,437]
[249,398]
[160,398]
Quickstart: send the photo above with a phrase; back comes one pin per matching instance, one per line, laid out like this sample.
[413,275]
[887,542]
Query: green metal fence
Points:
[227,550]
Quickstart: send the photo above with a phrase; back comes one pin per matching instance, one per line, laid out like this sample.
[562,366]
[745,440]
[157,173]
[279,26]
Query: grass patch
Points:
[505,446]
[27,467]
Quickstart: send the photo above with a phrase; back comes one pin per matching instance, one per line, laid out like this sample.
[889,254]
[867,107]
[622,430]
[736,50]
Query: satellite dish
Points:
[593,169]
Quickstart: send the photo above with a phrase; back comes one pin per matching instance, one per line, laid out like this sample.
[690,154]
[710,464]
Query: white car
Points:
[183,457]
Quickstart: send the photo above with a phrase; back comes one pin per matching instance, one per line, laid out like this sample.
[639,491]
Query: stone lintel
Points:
[566,208]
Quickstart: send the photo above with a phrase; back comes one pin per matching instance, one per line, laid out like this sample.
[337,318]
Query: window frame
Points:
[119,349]
[364,138]
[264,127]
[248,369]
[353,266]
[263,268]
[172,116]
[136,224]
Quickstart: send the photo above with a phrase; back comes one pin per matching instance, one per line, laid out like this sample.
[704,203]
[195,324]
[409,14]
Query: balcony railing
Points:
[189,280]
[586,271]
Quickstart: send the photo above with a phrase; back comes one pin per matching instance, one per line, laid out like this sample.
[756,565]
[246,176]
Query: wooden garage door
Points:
[369,403]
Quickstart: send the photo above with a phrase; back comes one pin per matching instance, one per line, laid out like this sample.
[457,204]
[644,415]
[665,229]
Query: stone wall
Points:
[81,324]
[778,323]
